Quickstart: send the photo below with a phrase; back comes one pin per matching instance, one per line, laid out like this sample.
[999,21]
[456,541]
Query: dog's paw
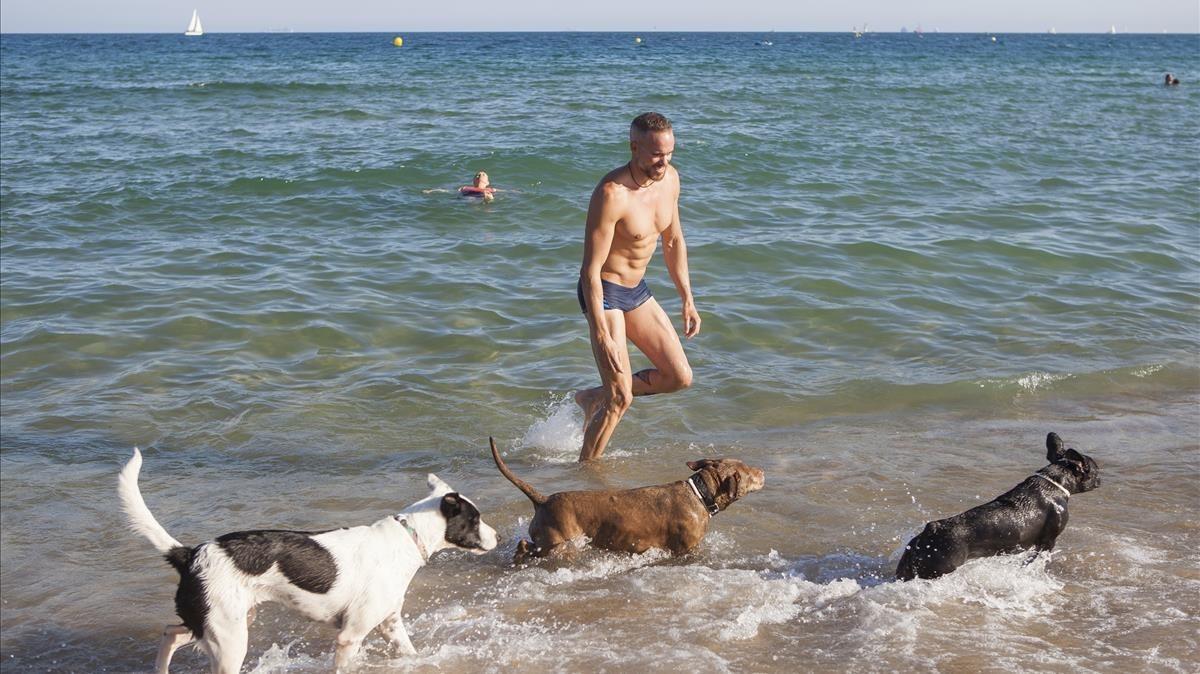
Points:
[523,553]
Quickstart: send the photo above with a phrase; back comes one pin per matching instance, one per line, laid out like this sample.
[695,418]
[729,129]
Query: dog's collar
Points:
[1064,489]
[416,539]
[701,491]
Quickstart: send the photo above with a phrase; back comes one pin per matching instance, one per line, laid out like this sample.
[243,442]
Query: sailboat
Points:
[1112,30]
[194,27]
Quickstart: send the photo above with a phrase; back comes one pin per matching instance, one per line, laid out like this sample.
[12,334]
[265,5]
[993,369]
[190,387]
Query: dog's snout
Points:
[489,538]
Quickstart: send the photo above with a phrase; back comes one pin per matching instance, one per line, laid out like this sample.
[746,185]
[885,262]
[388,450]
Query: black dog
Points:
[1030,515]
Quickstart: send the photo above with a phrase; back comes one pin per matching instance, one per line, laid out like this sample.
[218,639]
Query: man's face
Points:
[481,179]
[652,152]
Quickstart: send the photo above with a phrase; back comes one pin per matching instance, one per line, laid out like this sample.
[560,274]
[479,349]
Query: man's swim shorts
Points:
[617,296]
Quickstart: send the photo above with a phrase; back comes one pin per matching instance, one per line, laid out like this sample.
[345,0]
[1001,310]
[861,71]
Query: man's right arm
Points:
[602,217]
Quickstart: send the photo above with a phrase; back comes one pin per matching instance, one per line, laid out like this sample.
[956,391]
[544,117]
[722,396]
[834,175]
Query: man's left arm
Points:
[675,255]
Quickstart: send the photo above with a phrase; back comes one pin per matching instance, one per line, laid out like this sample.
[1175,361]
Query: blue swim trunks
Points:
[617,296]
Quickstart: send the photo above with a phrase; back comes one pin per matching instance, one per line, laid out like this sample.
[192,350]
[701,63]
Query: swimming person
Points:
[479,187]
[1170,80]
[632,207]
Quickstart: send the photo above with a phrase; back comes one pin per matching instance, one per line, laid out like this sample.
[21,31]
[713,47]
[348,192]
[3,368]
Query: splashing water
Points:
[561,432]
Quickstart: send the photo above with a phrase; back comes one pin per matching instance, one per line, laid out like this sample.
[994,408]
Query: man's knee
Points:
[677,380]
[684,379]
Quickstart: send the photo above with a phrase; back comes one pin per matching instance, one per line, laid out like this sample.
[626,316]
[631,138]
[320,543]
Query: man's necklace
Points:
[635,180]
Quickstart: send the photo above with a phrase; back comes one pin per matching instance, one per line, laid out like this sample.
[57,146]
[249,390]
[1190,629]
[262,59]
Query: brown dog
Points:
[669,516]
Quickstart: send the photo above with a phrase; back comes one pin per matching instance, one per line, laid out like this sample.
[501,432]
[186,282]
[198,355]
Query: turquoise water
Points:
[245,253]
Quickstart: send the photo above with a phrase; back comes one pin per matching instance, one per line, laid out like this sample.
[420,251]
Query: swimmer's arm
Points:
[675,255]
[603,213]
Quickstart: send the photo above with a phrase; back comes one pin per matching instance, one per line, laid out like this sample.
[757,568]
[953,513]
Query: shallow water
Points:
[243,255]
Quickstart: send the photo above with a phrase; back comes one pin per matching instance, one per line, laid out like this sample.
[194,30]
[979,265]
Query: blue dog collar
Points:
[412,532]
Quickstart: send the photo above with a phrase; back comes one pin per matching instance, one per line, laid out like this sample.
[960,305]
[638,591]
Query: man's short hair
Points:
[650,121]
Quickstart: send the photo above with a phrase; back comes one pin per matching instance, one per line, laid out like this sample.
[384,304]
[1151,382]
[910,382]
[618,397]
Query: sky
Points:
[400,16]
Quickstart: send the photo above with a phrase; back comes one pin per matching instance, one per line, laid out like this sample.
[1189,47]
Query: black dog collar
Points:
[702,493]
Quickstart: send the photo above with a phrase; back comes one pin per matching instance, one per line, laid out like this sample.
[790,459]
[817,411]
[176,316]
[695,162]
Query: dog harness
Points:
[411,532]
[1053,483]
[701,491]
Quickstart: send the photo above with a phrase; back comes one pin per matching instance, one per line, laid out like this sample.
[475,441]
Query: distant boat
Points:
[194,27]
[1052,31]
[1112,30]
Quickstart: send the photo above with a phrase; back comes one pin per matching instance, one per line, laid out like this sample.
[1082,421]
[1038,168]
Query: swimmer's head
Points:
[481,180]
[651,144]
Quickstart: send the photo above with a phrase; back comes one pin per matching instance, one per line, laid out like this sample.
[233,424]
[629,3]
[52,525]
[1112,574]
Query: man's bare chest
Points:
[643,223]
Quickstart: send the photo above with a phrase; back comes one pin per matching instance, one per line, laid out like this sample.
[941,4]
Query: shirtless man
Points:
[630,209]
[481,186]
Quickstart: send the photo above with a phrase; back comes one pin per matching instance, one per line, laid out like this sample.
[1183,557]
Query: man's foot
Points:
[588,400]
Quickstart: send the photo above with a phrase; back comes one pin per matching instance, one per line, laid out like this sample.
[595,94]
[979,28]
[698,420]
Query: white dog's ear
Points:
[437,487]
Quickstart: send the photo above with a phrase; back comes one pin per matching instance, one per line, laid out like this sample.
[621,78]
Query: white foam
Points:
[590,564]
[772,602]
[1028,383]
[1141,559]
[1035,380]
[1007,582]
[559,616]
[278,659]
[560,433]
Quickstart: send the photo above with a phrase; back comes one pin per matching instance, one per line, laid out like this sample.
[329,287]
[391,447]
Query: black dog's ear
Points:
[1076,460]
[451,505]
[1054,447]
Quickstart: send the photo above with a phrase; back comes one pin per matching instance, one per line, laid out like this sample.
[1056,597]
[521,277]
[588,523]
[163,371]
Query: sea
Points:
[914,255]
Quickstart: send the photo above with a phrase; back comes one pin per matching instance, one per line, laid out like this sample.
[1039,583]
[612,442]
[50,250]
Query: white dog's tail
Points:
[140,519]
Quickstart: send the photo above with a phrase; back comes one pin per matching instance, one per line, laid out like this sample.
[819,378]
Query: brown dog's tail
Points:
[533,494]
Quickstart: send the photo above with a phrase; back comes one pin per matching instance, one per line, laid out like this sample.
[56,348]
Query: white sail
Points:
[194,27]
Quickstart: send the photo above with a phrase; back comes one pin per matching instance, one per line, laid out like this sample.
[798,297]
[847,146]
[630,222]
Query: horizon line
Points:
[288,31]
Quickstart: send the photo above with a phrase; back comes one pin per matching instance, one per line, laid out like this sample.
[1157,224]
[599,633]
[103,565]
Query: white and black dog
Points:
[353,578]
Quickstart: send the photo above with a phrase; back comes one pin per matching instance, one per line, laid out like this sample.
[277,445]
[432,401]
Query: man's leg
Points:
[651,331]
[608,403]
